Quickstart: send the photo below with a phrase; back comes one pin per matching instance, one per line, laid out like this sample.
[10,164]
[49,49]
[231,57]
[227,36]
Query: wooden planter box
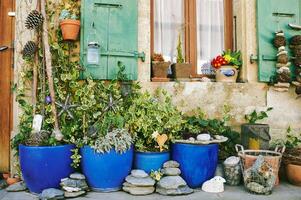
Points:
[160,69]
[181,70]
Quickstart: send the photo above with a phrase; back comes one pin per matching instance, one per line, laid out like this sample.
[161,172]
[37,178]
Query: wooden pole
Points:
[48,62]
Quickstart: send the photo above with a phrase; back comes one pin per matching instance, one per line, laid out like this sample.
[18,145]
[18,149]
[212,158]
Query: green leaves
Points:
[254,116]
[149,113]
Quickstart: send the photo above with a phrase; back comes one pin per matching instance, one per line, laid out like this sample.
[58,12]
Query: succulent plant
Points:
[118,139]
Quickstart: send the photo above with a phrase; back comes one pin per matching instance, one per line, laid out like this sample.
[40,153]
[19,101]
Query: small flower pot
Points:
[226,73]
[150,161]
[6,175]
[11,181]
[160,69]
[70,29]
[181,70]
[293,173]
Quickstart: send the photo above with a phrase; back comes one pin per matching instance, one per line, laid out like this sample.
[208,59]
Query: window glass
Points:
[210,33]
[168,24]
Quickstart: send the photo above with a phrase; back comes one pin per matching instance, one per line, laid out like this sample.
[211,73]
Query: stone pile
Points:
[172,183]
[139,183]
[232,171]
[283,64]
[74,186]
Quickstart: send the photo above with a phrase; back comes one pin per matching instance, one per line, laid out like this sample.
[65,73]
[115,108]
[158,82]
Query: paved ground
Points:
[283,192]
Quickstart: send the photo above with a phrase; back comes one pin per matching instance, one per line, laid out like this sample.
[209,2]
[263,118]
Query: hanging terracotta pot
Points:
[70,29]
[227,73]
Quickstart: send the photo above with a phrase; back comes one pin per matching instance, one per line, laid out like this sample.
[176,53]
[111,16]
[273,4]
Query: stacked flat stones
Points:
[295,45]
[172,183]
[139,183]
[74,186]
[232,171]
[283,64]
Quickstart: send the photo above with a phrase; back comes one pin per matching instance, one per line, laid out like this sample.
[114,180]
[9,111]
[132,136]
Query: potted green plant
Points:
[154,122]
[292,157]
[254,135]
[198,155]
[227,66]
[181,69]
[106,143]
[69,24]
[159,68]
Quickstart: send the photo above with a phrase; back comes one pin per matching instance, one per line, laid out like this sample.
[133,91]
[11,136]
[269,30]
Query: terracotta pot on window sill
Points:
[227,73]
[160,69]
[70,29]
[181,70]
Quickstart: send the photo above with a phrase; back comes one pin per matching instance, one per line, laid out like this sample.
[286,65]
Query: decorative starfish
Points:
[65,107]
[111,104]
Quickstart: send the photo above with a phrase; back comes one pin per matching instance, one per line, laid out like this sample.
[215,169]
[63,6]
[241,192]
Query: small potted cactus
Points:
[181,69]
[70,25]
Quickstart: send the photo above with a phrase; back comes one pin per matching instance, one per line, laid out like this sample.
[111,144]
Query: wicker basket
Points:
[248,157]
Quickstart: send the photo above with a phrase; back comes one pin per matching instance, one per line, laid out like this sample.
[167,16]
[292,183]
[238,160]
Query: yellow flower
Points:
[155,134]
[228,58]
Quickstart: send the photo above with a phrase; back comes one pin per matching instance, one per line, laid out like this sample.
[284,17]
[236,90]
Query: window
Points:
[205,27]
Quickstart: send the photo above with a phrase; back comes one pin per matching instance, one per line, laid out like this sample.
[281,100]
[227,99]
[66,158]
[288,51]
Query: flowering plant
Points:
[227,58]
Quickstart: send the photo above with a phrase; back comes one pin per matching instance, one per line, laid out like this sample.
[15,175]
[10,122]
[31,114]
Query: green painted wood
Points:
[116,24]
[274,15]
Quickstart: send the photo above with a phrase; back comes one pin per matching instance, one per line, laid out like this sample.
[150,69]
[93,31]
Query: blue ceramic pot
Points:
[197,162]
[149,161]
[44,167]
[105,172]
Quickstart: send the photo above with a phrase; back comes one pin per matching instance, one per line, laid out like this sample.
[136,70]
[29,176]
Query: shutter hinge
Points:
[253,58]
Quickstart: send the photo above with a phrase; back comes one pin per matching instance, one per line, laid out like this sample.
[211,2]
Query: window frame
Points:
[190,19]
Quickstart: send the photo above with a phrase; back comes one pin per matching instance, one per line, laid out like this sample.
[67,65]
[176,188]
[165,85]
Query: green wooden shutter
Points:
[274,15]
[116,25]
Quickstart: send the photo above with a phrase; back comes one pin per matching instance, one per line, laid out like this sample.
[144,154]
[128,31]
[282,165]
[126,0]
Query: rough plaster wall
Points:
[22,35]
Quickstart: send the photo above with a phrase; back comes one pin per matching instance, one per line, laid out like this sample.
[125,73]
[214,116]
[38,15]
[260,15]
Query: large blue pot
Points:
[44,167]
[105,172]
[149,161]
[197,162]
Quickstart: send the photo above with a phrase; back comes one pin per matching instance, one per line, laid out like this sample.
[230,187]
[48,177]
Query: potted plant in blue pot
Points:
[154,123]
[203,142]
[106,148]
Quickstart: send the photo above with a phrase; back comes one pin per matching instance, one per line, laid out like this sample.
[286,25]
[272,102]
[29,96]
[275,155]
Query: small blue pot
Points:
[105,172]
[197,162]
[44,167]
[149,161]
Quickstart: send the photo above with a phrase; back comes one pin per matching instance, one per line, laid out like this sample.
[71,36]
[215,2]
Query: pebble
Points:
[140,181]
[138,173]
[179,191]
[71,189]
[171,171]
[52,194]
[75,183]
[171,182]
[171,164]
[233,160]
[139,190]
[192,139]
[203,137]
[74,194]
[77,176]
[17,187]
